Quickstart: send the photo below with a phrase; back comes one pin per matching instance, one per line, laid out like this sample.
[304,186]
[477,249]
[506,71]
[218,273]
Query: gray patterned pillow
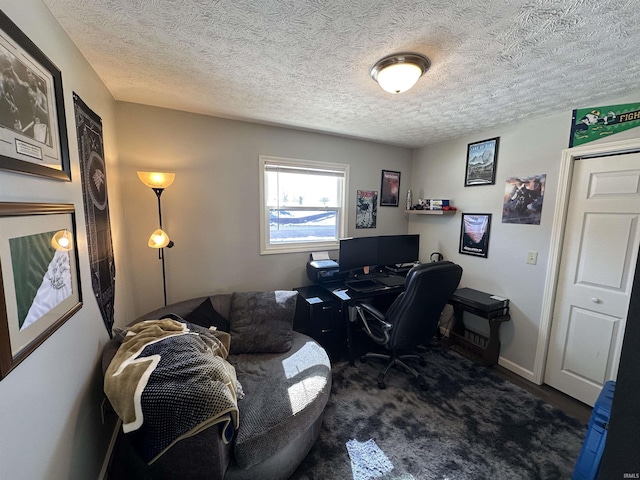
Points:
[262,322]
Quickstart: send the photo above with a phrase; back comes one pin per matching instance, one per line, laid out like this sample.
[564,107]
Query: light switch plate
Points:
[532,257]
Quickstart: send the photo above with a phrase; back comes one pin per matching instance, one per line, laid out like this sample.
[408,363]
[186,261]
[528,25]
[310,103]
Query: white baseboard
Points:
[517,369]
[112,444]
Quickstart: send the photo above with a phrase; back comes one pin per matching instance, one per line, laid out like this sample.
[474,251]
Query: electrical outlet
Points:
[532,257]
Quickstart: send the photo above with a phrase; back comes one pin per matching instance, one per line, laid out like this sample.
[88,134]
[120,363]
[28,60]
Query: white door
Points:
[599,254]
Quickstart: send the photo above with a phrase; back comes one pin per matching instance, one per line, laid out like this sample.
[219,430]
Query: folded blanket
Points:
[170,380]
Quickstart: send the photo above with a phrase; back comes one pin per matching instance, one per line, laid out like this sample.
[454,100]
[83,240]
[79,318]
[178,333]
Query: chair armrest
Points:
[380,332]
[373,311]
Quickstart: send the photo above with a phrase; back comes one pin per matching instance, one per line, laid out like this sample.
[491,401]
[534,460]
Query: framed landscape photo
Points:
[39,276]
[474,234]
[33,129]
[390,189]
[482,158]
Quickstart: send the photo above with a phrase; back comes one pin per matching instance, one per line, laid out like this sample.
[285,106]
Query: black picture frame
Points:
[475,230]
[390,188]
[482,159]
[33,128]
[41,290]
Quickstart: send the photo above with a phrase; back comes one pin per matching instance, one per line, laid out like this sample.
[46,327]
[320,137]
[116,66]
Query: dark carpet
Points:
[469,425]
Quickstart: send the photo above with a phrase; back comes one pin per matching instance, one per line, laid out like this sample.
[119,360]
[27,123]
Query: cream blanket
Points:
[170,380]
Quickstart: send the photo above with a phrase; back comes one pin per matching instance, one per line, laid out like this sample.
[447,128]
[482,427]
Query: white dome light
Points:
[399,72]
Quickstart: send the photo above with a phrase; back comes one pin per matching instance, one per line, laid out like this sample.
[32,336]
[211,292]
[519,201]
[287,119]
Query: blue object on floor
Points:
[588,462]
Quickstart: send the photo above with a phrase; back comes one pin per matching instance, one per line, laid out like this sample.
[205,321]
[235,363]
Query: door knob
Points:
[596,300]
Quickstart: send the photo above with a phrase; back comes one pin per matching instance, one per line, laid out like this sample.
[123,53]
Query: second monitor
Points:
[381,251]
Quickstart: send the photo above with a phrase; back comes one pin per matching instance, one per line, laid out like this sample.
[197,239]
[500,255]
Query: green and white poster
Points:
[593,123]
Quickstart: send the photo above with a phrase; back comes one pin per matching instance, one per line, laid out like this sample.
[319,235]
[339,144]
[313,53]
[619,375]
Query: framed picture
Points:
[474,234]
[366,209]
[481,162]
[39,276]
[390,189]
[33,129]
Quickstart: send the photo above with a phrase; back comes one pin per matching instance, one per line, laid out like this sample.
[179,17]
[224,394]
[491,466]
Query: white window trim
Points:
[265,248]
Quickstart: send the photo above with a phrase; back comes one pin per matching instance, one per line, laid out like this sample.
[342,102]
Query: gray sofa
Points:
[280,415]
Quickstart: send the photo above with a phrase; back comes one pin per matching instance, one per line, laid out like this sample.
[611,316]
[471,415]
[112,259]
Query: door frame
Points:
[569,157]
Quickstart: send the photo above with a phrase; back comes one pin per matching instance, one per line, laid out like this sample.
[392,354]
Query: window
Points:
[302,204]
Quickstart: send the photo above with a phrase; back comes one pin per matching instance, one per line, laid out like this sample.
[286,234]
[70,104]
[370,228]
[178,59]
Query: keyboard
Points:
[391,281]
[366,285]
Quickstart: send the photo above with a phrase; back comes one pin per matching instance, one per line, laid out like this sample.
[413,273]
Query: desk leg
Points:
[351,319]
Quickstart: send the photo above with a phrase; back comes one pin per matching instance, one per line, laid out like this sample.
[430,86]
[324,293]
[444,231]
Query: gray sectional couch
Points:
[286,379]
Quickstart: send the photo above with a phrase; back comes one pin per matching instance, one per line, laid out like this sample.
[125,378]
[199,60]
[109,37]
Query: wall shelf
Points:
[431,212]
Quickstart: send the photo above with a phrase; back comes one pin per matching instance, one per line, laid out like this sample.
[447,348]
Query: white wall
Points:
[212,209]
[527,148]
[50,403]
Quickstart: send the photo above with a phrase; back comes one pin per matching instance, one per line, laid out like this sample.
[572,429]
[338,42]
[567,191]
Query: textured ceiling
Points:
[305,63]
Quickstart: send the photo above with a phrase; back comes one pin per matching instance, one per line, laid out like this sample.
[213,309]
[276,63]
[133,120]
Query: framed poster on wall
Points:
[482,158]
[474,234]
[39,276]
[33,129]
[390,189]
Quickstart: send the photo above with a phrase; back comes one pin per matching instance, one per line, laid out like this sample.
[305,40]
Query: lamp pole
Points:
[158,192]
[158,182]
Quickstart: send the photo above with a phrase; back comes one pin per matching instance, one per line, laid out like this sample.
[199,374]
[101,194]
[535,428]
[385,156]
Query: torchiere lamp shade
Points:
[157,179]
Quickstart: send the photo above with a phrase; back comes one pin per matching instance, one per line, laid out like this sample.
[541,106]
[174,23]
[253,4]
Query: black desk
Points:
[345,300]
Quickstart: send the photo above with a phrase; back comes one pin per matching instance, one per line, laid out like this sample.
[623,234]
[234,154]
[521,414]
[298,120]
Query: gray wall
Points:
[50,403]
[51,425]
[527,148]
[212,209]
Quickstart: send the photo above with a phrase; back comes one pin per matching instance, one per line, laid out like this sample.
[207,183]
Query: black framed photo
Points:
[39,276]
[482,158]
[33,129]
[390,189]
[474,234]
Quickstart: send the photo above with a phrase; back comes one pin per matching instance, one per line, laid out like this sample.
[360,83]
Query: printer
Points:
[320,271]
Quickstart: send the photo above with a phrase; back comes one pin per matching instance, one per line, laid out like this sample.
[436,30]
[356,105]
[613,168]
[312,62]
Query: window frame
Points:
[267,248]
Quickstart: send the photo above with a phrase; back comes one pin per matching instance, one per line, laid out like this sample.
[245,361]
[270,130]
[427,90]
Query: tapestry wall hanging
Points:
[96,208]
[589,124]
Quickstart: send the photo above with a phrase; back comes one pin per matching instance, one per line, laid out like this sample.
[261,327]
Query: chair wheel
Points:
[363,359]
[381,385]
[422,382]
[422,362]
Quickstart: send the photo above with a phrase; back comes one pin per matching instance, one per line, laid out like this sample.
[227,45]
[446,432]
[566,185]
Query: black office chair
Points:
[413,318]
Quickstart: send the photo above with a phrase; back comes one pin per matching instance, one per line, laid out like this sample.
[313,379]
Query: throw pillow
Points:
[207,316]
[262,322]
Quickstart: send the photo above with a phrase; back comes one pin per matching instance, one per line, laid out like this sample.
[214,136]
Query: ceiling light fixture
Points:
[399,72]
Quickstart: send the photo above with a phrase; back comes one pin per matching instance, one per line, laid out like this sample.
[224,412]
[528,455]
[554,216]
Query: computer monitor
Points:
[398,249]
[356,253]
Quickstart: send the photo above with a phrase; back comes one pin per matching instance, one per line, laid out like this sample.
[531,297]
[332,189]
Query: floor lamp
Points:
[158,181]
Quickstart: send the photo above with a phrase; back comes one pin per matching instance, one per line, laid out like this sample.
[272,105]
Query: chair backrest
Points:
[415,314]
